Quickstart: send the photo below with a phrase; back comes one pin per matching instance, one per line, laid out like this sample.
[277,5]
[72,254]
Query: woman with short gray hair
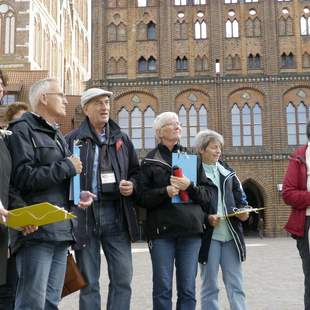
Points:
[223,243]
[173,230]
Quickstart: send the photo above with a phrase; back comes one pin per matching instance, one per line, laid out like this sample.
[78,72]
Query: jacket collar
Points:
[87,131]
[36,122]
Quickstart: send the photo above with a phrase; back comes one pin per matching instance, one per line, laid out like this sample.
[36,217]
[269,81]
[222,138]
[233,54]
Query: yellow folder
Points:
[37,215]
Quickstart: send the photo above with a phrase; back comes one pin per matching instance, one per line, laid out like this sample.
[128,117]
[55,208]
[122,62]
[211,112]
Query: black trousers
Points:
[8,290]
[303,248]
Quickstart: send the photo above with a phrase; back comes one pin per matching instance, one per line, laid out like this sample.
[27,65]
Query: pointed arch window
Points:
[305,25]
[232,29]
[151,31]
[149,140]
[200,30]
[201,63]
[136,128]
[142,64]
[246,125]
[7,29]
[192,122]
[296,119]
[181,64]
[181,30]
[254,62]
[306,60]
[123,120]
[287,60]
[139,126]
[151,64]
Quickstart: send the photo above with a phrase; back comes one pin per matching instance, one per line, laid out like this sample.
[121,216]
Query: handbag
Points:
[74,279]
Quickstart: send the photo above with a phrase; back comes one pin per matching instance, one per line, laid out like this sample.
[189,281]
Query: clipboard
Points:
[38,214]
[241,211]
[188,163]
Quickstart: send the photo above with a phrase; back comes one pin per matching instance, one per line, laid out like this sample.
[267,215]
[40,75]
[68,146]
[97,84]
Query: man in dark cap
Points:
[110,171]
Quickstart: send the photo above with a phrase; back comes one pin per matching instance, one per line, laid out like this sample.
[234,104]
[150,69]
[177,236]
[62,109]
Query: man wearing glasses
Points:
[41,170]
[110,171]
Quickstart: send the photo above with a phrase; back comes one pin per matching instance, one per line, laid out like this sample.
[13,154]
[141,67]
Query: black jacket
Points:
[233,197]
[5,171]
[41,172]
[125,165]
[164,219]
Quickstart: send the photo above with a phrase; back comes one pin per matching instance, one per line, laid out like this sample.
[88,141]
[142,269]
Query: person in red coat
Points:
[296,193]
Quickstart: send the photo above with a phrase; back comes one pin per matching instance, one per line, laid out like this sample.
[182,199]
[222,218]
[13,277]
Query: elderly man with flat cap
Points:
[110,171]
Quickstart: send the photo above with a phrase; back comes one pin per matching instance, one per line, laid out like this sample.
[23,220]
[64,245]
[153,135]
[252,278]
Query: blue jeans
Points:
[41,270]
[183,252]
[117,250]
[224,254]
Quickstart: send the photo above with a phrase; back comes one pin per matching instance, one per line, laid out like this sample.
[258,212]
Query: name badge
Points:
[108,178]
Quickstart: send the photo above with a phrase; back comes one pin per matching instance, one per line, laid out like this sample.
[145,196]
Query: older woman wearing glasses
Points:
[223,244]
[173,230]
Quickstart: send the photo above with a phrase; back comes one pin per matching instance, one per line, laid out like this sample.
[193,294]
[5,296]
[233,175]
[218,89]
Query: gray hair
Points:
[204,137]
[162,120]
[39,87]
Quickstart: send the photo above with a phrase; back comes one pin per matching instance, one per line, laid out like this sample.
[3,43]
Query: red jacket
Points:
[294,192]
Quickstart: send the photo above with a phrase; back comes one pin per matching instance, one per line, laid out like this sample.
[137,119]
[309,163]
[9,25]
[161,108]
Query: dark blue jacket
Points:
[5,171]
[41,172]
[125,165]
[234,197]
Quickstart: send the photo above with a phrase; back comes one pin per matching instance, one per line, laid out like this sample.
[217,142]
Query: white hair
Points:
[39,87]
[204,137]
[161,120]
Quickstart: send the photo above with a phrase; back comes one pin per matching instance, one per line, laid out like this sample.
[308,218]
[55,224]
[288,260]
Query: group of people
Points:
[37,164]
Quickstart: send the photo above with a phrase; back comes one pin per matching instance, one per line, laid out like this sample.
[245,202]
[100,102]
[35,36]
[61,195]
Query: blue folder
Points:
[76,188]
[188,163]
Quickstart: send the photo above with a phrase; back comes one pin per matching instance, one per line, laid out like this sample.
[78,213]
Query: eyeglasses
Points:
[173,124]
[61,95]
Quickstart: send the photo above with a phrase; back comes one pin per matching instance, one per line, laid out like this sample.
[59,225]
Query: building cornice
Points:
[200,80]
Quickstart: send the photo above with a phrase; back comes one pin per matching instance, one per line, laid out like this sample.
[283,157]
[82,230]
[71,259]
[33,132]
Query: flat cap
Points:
[92,93]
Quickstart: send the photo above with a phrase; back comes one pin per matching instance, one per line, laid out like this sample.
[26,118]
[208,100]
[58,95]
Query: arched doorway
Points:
[254,226]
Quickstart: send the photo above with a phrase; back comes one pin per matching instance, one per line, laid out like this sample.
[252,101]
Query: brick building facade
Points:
[240,67]
[51,35]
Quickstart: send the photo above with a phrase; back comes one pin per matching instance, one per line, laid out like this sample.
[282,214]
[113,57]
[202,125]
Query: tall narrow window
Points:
[136,128]
[305,26]
[192,125]
[123,120]
[142,64]
[183,121]
[291,124]
[246,126]
[151,64]
[232,29]
[236,125]
[200,30]
[7,29]
[151,31]
[302,123]
[149,140]
[197,2]
[257,121]
[203,120]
